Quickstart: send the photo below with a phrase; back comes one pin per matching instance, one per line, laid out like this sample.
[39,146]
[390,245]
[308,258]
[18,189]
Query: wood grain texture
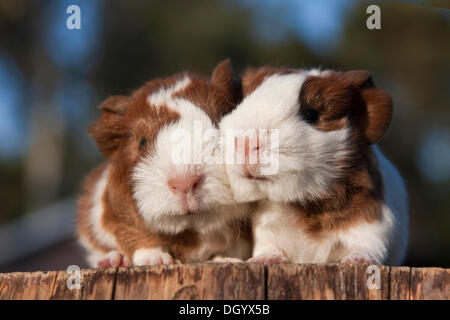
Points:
[27,286]
[234,281]
[329,282]
[429,284]
[96,284]
[399,279]
[191,281]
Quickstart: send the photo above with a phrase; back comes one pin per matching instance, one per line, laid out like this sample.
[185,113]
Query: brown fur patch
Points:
[217,96]
[347,99]
[351,100]
[212,100]
[354,198]
[123,122]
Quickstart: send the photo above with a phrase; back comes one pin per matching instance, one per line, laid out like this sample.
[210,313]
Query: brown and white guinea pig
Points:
[326,192]
[144,206]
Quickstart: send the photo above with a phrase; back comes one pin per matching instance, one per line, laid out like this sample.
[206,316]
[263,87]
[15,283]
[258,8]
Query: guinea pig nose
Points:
[183,184]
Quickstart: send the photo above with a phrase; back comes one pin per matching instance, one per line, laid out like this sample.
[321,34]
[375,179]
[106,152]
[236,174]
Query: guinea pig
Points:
[325,191]
[146,205]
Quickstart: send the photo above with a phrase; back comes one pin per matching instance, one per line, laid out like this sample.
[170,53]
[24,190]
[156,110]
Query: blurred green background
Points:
[52,79]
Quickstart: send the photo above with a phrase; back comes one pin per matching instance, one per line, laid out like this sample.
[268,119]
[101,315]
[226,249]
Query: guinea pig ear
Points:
[116,104]
[222,75]
[223,79]
[377,104]
[108,131]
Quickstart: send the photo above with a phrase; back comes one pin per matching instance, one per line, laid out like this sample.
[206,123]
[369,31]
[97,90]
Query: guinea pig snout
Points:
[253,152]
[184,184]
[248,148]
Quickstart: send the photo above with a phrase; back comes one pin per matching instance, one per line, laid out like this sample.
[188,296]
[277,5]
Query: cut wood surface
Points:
[232,281]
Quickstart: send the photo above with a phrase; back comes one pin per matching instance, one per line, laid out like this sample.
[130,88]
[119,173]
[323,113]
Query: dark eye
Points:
[310,115]
[142,143]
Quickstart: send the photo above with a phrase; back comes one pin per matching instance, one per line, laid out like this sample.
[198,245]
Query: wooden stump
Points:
[233,281]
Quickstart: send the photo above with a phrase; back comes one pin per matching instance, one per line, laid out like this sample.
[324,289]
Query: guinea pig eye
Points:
[142,143]
[310,115]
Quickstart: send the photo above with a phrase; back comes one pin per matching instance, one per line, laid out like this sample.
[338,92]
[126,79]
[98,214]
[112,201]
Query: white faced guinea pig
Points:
[330,194]
[144,205]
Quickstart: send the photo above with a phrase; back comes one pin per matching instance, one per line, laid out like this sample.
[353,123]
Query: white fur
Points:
[93,258]
[96,213]
[94,255]
[165,95]
[308,158]
[213,201]
[276,228]
[151,256]
[212,206]
[103,236]
[220,244]
[308,162]
[220,259]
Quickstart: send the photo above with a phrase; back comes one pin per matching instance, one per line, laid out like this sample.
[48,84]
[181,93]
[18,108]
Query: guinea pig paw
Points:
[112,258]
[269,258]
[222,259]
[355,258]
[151,256]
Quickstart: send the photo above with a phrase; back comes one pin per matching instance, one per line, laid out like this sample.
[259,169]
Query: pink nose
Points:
[183,184]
